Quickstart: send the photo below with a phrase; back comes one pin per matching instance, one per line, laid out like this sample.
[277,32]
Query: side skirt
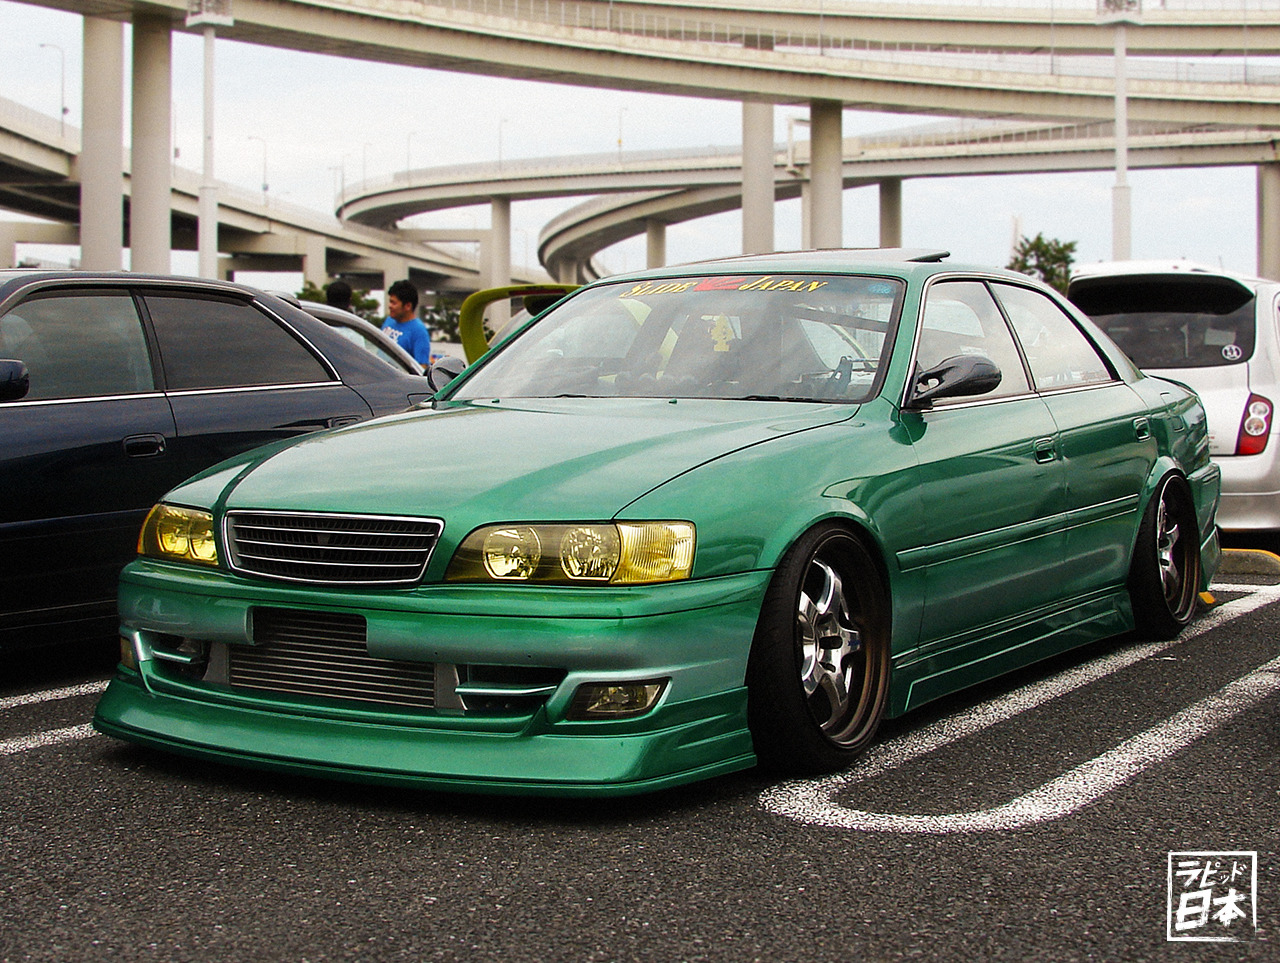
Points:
[960,662]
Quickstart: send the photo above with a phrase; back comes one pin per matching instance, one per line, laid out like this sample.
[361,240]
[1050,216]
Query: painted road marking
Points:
[52,695]
[51,737]
[813,802]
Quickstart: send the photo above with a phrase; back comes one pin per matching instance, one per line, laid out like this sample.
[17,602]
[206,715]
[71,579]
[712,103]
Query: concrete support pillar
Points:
[499,313]
[8,245]
[499,263]
[655,236]
[757,178]
[826,172]
[1269,221]
[102,147]
[567,272]
[891,212]
[150,174]
[314,268]
[207,226]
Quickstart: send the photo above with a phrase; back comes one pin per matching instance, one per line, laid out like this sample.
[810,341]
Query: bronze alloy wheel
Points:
[818,680]
[1165,572]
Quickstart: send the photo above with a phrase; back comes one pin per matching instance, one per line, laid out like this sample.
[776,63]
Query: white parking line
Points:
[812,801]
[40,740]
[51,737]
[51,695]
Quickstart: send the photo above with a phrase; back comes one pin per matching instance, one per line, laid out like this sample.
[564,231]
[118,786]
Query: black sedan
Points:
[114,388]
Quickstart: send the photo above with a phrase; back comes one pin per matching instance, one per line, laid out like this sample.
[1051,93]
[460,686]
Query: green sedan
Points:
[682,523]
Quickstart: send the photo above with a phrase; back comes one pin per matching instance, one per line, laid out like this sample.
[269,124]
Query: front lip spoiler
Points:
[698,740]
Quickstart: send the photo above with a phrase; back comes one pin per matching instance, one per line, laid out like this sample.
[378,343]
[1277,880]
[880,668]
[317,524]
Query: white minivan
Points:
[1216,332]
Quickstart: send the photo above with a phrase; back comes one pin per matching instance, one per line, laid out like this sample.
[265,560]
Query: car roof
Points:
[12,279]
[1156,268]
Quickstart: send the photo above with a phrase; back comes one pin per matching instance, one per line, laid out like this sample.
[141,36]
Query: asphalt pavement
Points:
[1032,818]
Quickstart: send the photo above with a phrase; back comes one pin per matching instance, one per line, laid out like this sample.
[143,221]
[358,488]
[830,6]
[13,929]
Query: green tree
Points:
[442,318]
[361,304]
[1045,258]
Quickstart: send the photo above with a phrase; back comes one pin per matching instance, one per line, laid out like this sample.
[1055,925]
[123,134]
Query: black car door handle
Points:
[144,446]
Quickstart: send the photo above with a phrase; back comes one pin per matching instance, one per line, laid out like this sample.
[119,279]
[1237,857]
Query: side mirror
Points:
[962,376]
[444,371]
[15,380]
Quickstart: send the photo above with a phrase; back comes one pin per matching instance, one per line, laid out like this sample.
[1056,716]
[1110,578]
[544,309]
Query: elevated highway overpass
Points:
[641,193]
[40,172]
[911,57]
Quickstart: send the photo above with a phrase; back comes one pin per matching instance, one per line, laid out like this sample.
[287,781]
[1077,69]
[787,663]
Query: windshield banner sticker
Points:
[767,283]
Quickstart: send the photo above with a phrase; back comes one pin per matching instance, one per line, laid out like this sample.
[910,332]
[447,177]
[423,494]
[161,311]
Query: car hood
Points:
[482,462]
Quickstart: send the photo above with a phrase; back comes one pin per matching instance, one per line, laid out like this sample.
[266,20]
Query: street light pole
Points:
[208,15]
[62,69]
[1120,14]
[264,165]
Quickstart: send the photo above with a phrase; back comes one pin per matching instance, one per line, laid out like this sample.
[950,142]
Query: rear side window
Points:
[1059,354]
[209,343]
[1172,321]
[80,345]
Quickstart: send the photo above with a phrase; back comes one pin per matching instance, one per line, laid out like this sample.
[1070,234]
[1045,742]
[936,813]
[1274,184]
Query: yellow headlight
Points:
[655,551]
[627,553]
[512,554]
[173,532]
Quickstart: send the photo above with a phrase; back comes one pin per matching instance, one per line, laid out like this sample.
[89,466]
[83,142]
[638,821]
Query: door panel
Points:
[86,453]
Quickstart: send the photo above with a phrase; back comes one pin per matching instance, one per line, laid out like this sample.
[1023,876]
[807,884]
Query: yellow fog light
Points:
[173,532]
[512,554]
[128,655]
[615,700]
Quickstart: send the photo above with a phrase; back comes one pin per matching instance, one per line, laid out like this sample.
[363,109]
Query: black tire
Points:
[1164,575]
[818,673]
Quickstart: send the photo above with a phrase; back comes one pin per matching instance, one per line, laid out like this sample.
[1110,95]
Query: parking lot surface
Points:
[1046,816]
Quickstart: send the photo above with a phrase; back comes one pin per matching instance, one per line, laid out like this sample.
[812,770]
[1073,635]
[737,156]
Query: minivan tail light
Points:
[1255,426]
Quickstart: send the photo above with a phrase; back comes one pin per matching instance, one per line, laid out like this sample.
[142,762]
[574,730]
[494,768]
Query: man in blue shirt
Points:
[403,325]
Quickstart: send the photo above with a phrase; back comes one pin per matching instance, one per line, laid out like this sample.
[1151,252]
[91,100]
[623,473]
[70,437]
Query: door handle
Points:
[1046,451]
[1141,429]
[144,446]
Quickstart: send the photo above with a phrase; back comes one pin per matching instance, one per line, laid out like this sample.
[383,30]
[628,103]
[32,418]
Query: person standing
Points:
[338,294]
[402,323]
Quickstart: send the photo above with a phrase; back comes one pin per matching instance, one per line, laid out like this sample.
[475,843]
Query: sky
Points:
[316,121]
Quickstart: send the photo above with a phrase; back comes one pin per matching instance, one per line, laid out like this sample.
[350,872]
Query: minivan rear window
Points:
[1172,322]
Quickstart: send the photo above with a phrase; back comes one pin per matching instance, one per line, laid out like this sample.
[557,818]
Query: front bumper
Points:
[696,635]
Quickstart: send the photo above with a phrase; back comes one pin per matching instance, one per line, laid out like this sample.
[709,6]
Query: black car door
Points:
[82,457]
[238,377]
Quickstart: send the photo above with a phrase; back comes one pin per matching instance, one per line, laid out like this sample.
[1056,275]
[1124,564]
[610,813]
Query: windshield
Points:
[1172,322]
[783,337]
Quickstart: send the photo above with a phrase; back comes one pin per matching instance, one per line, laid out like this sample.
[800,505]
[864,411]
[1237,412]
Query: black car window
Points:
[78,345]
[1170,321]
[1057,350]
[960,318]
[208,343]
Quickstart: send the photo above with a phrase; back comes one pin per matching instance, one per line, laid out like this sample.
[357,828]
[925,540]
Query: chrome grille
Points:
[324,654]
[331,549]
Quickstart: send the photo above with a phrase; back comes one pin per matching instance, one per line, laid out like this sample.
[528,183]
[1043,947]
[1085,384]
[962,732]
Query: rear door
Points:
[1196,328]
[238,377]
[85,454]
[1105,439]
